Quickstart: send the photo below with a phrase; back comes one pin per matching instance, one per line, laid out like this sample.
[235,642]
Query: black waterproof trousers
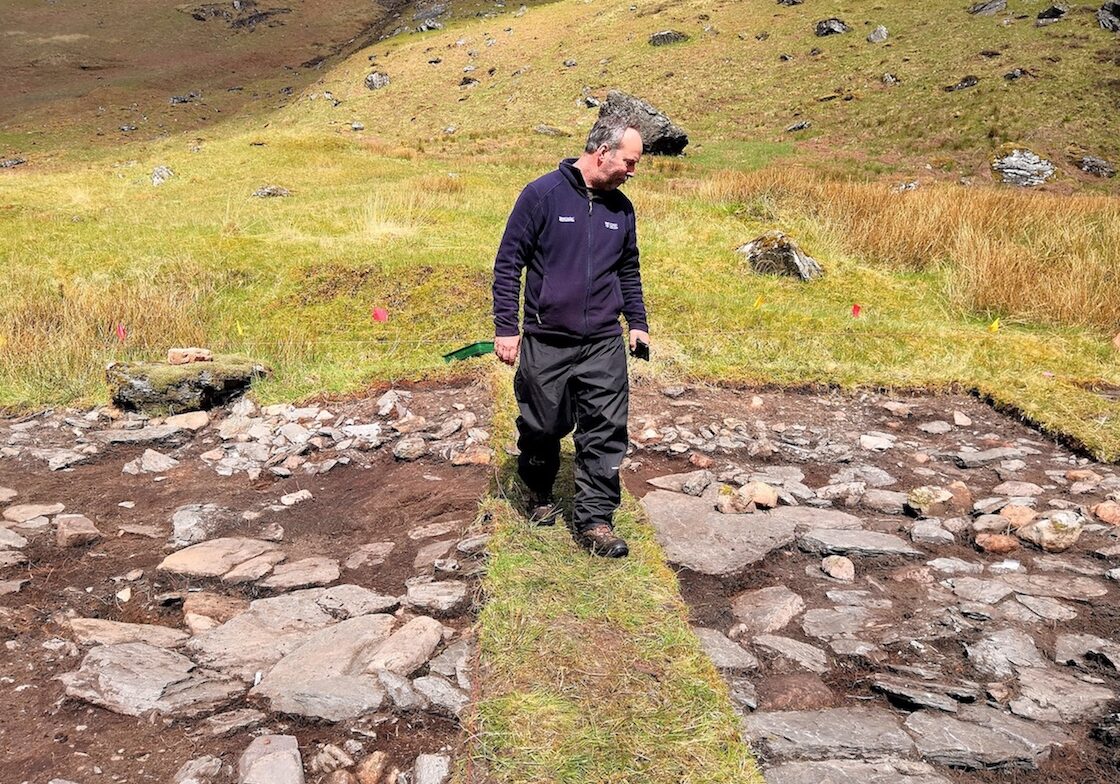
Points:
[584,385]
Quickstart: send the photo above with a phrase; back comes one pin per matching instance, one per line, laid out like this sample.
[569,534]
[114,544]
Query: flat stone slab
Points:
[96,631]
[973,589]
[307,572]
[724,653]
[1001,653]
[141,435]
[215,557]
[136,678]
[1049,694]
[301,681]
[21,513]
[842,733]
[408,648]
[699,538]
[1077,589]
[262,635]
[834,542]
[766,609]
[834,623]
[805,656]
[978,459]
[1004,743]
[889,771]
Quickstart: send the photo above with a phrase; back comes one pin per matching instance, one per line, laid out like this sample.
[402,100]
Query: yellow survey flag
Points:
[758,302]
[240,331]
[994,326]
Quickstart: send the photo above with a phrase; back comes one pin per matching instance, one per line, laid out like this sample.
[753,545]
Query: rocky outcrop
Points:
[775,253]
[659,135]
[158,387]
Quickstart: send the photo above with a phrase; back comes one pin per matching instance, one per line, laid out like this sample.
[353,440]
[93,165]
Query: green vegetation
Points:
[590,672]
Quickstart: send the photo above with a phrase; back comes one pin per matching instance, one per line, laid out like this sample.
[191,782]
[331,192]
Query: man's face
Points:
[617,166]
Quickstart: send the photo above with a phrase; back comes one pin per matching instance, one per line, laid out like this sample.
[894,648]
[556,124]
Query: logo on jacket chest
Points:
[567,218]
[610,225]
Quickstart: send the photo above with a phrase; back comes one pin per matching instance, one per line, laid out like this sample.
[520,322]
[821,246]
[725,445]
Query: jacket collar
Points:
[573,175]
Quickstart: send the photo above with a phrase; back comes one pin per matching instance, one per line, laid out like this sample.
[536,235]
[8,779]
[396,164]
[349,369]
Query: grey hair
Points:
[609,130]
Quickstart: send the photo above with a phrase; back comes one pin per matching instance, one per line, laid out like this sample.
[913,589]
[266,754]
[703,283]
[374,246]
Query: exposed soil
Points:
[45,735]
[781,685]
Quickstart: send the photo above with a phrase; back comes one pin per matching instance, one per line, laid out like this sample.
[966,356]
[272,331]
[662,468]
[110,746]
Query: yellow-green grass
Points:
[590,673]
[726,85]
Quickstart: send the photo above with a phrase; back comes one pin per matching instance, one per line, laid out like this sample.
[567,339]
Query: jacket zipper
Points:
[587,288]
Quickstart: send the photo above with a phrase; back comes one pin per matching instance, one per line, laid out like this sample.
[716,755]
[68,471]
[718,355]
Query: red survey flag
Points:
[380,314]
[856,310]
[121,332]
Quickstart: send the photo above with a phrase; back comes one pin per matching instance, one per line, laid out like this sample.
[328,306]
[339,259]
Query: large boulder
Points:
[775,253]
[1108,17]
[659,135]
[988,8]
[1016,165]
[162,388]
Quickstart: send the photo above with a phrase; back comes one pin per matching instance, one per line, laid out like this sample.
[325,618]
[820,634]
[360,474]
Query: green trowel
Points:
[471,350]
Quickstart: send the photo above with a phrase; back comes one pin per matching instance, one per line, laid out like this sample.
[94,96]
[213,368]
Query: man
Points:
[572,232]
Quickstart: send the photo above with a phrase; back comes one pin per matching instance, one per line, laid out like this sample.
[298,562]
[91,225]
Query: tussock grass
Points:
[1031,256]
[590,673]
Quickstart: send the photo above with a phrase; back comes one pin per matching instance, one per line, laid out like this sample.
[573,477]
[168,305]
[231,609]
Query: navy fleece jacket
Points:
[579,250]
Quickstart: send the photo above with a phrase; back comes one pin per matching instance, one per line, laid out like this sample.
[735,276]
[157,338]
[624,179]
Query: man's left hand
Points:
[636,335]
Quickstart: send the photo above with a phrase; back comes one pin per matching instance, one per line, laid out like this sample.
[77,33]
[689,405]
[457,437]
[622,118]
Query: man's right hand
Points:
[507,348]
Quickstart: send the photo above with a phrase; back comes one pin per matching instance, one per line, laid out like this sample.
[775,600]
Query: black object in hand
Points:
[640,350]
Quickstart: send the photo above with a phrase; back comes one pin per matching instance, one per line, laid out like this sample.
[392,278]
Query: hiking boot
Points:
[600,540]
[543,510]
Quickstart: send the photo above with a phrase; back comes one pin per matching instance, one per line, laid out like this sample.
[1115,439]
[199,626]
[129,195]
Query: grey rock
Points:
[444,597]
[256,639]
[1047,609]
[972,589]
[955,566]
[868,543]
[401,693]
[888,771]
[12,539]
[350,601]
[885,501]
[930,532]
[775,253]
[444,697]
[338,698]
[831,26]
[409,647]
[724,653]
[988,8]
[936,427]
[859,599]
[95,631]
[136,679]
[666,37]
[1002,653]
[1017,488]
[979,459]
[411,447]
[193,523]
[1080,649]
[1108,17]
[21,513]
[160,387]
[376,80]
[201,770]
[869,475]
[271,759]
[151,462]
[878,35]
[214,557]
[302,680]
[694,535]
[805,656]
[766,609]
[913,695]
[1023,168]
[1047,694]
[304,573]
[1078,589]
[659,135]
[829,624]
[842,733]
[431,769]
[222,724]
[140,435]
[74,530]
[1005,743]
[839,567]
[58,459]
